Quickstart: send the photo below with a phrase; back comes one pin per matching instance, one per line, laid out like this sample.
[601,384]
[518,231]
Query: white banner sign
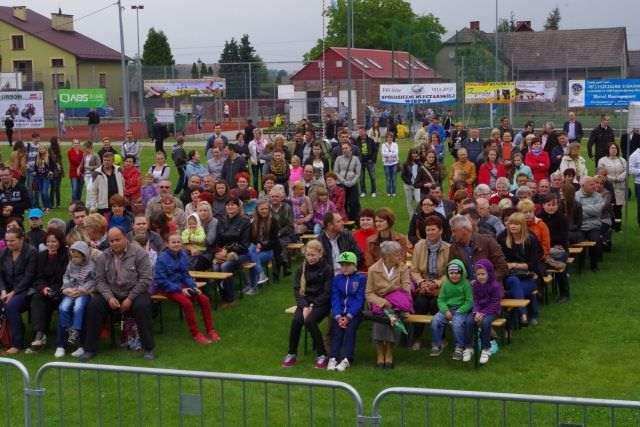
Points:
[165,115]
[536,90]
[285,92]
[407,94]
[26,108]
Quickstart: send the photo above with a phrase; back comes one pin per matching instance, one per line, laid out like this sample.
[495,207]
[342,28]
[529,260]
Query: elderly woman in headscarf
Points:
[388,292]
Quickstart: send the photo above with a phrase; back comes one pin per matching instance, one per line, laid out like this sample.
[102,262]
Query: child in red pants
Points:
[173,281]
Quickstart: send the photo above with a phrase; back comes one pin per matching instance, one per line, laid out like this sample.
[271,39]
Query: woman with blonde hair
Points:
[312,291]
[44,175]
[523,254]
[574,161]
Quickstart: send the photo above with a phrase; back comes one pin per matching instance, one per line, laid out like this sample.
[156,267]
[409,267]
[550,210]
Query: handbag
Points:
[5,334]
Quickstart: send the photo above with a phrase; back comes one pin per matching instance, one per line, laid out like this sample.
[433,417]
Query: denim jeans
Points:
[71,311]
[43,184]
[33,195]
[54,192]
[228,290]
[370,167]
[485,331]
[390,175]
[343,341]
[522,289]
[459,324]
[14,308]
[259,258]
[412,197]
[76,189]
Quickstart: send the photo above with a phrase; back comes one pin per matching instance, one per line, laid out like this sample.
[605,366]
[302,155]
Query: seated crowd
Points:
[505,222]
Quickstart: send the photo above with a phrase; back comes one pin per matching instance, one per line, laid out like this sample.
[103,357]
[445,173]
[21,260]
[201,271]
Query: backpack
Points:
[130,338]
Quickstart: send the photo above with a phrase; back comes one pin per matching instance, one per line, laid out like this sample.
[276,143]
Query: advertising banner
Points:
[489,92]
[82,98]
[25,107]
[409,94]
[285,91]
[603,93]
[165,115]
[536,90]
[210,86]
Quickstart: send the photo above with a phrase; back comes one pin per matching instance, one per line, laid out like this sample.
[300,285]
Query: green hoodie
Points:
[456,294]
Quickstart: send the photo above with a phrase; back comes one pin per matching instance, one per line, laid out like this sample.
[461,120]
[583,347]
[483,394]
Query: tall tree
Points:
[258,74]
[210,71]
[553,20]
[194,71]
[507,25]
[203,69]
[230,70]
[157,51]
[382,24]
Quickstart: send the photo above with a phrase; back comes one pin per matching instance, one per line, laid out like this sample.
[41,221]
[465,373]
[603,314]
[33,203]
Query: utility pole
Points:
[138,8]
[250,94]
[349,46]
[123,66]
[495,60]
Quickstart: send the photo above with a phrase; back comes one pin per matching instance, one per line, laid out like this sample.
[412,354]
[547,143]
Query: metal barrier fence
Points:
[122,395]
[9,401]
[458,407]
[79,394]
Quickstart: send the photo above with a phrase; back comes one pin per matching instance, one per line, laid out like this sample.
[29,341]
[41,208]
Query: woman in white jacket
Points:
[574,161]
[390,162]
[256,147]
[616,168]
[98,196]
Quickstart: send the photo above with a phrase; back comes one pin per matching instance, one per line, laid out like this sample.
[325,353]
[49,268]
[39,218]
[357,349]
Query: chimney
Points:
[20,12]
[62,22]
[523,26]
[474,25]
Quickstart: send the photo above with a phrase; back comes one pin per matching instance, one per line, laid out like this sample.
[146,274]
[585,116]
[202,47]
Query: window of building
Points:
[102,80]
[57,81]
[338,64]
[57,62]
[17,42]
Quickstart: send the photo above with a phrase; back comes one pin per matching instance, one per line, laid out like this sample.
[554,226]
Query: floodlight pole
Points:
[349,46]
[125,80]
[138,8]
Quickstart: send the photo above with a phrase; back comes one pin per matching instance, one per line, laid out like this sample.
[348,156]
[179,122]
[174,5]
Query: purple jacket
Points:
[487,297]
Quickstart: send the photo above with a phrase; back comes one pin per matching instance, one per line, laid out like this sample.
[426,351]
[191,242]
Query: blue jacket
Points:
[443,135]
[347,295]
[172,271]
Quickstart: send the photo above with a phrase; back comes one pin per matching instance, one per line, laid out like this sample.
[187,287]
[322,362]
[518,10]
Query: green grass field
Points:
[583,348]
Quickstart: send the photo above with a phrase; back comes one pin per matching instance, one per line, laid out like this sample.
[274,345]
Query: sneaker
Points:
[321,362]
[416,346]
[213,335]
[331,366]
[533,321]
[484,356]
[30,350]
[59,353]
[262,278]
[362,194]
[374,195]
[342,366]
[40,340]
[74,334]
[78,353]
[86,356]
[435,351]
[199,338]
[393,195]
[457,353]
[494,347]
[289,361]
[249,291]
[467,354]
[149,355]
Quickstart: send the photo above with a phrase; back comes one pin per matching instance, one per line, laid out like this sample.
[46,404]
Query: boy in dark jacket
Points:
[347,300]
[179,157]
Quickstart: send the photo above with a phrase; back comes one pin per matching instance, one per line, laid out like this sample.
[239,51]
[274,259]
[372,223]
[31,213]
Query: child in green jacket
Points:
[455,302]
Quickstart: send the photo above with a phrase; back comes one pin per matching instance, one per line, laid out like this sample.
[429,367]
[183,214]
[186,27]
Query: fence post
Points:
[26,384]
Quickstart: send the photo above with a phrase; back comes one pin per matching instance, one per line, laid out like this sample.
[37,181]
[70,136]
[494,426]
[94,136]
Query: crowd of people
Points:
[515,204]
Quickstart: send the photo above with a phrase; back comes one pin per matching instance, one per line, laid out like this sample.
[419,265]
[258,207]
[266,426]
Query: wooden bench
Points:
[585,246]
[212,276]
[308,237]
[156,305]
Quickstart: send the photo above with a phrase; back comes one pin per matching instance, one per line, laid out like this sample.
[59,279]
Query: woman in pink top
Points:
[296,171]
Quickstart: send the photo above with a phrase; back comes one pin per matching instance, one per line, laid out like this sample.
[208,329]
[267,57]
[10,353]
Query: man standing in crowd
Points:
[505,126]
[131,147]
[336,240]
[233,165]
[123,277]
[368,155]
[474,146]
[573,128]
[348,168]
[93,120]
[592,204]
[601,136]
[8,128]
[164,190]
[32,154]
[470,247]
[159,133]
[217,134]
[248,131]
[633,140]
[14,196]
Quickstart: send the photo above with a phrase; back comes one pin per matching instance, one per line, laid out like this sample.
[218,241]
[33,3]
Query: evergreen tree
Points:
[194,71]
[553,20]
[230,70]
[259,74]
[210,71]
[203,69]
[157,51]
[507,25]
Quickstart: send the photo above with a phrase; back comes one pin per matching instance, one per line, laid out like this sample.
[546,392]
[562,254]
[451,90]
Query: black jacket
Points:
[16,196]
[318,285]
[49,271]
[634,144]
[530,252]
[421,178]
[418,223]
[558,228]
[231,167]
[578,130]
[346,242]
[18,276]
[284,220]
[234,234]
[267,241]
[35,236]
[601,138]
[371,149]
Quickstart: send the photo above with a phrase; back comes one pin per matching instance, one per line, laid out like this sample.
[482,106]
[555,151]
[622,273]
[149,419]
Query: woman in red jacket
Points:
[75,155]
[132,184]
[491,169]
[538,160]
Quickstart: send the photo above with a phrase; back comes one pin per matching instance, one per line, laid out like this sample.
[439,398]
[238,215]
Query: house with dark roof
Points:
[634,64]
[593,53]
[51,55]
[369,69]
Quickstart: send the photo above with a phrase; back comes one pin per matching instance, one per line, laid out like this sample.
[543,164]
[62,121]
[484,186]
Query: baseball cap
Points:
[347,257]
[36,213]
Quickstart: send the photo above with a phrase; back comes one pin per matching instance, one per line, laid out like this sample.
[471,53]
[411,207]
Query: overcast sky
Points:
[282,30]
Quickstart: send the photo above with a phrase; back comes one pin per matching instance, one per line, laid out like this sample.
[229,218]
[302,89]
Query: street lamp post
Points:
[125,79]
[138,8]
